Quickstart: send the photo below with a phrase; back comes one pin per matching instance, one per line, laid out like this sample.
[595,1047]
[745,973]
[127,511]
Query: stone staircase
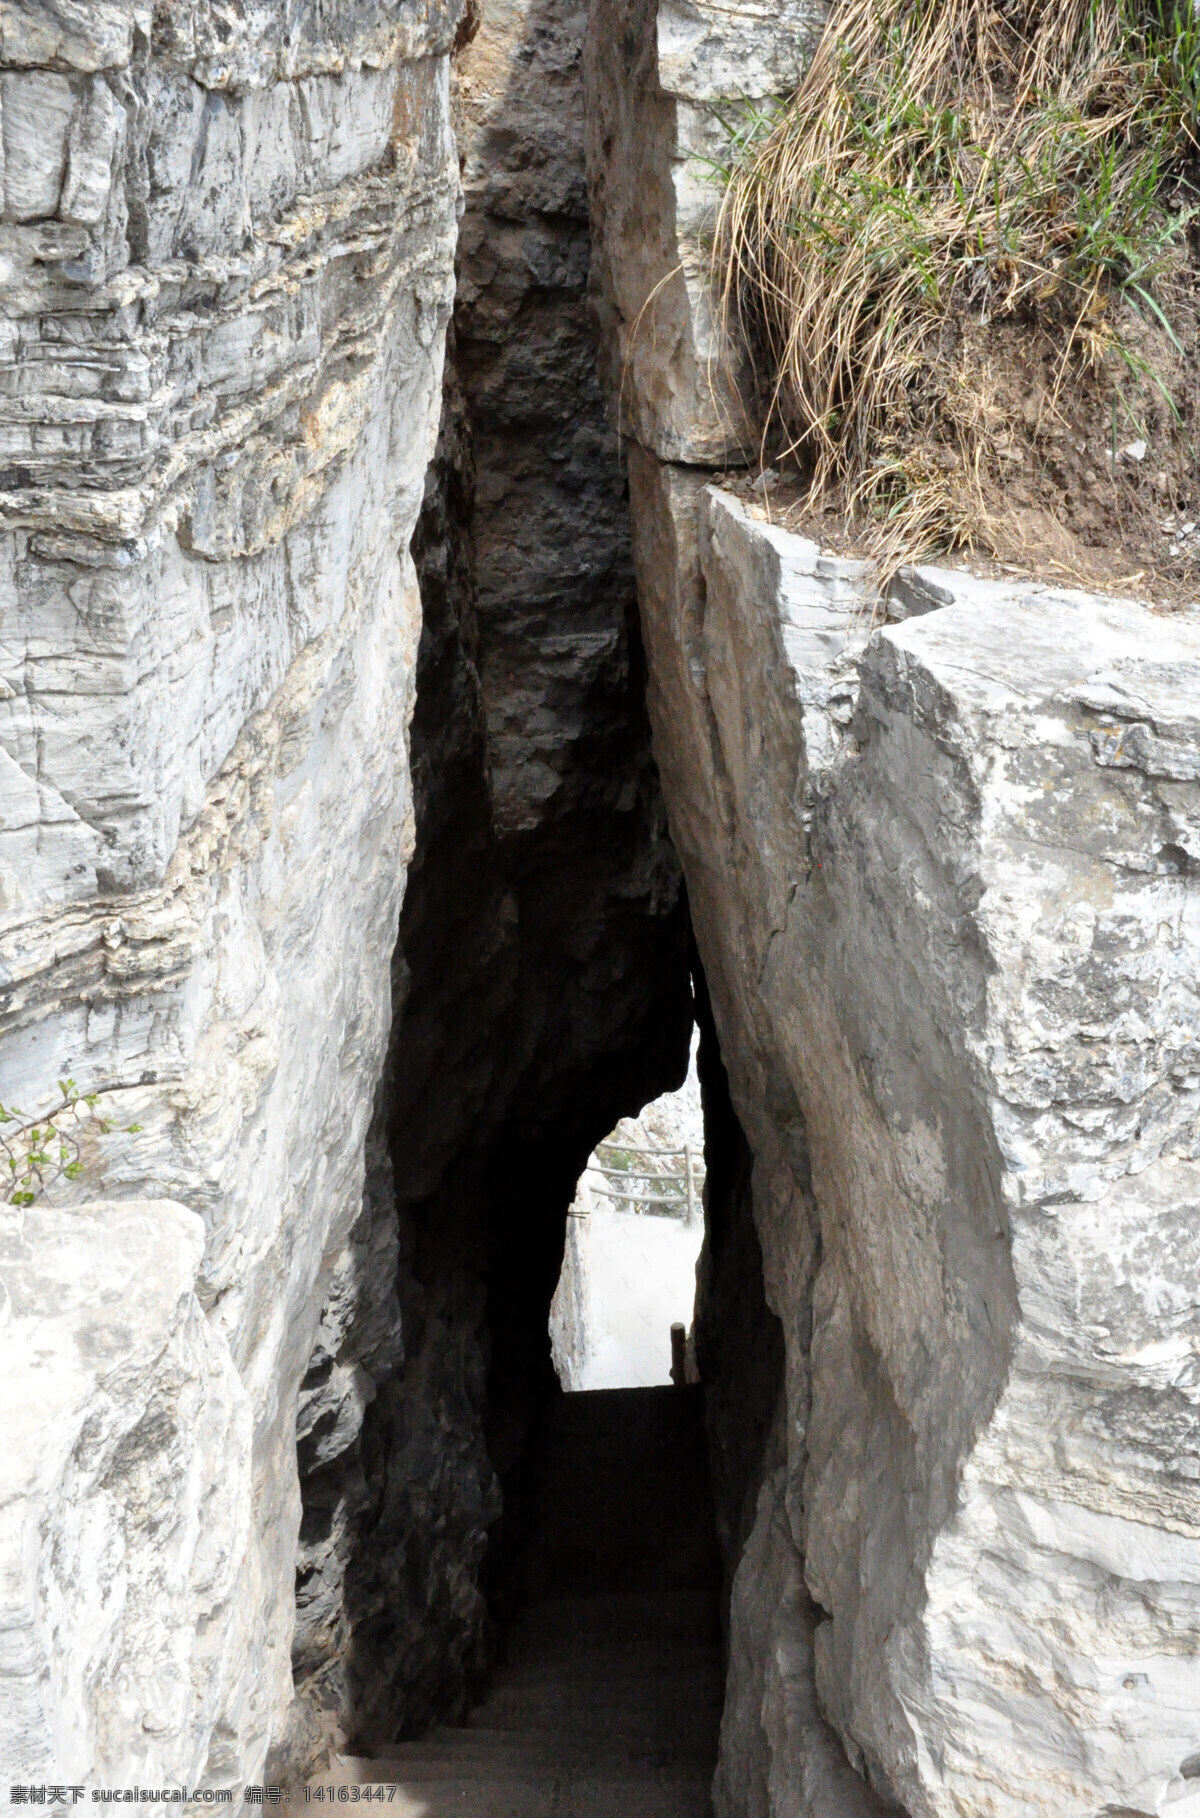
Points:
[609,1703]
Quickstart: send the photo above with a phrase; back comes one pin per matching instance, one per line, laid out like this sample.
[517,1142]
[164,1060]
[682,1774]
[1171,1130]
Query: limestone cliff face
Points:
[940,862]
[665,80]
[334,858]
[227,245]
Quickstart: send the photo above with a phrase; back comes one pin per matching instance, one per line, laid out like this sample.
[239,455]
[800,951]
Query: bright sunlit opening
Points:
[633,1237]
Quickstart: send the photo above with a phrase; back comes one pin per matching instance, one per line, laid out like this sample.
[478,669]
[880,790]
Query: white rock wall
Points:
[227,248]
[1016,1092]
[668,81]
[745,658]
[126,1500]
[974,978]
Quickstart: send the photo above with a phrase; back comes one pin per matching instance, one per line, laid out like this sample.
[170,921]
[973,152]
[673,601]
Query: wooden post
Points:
[679,1354]
[691,1184]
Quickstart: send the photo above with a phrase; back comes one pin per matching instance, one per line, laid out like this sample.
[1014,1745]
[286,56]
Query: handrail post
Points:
[691,1184]
[679,1354]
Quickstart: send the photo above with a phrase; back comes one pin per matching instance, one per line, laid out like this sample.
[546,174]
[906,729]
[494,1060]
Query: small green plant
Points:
[40,1150]
[947,165]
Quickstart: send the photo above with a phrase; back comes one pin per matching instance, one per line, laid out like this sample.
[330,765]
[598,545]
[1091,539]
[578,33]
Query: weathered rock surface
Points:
[949,933]
[667,81]
[942,879]
[1023,1122]
[941,860]
[227,247]
[126,1496]
[541,977]
[555,601]
[770,1689]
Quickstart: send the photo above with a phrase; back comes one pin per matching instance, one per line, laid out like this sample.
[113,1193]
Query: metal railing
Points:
[685,1183]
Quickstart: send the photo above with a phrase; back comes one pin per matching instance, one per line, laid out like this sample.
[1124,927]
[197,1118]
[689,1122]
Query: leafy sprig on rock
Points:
[49,1147]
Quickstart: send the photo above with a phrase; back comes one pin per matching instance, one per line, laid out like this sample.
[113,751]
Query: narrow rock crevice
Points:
[739,1339]
[542,974]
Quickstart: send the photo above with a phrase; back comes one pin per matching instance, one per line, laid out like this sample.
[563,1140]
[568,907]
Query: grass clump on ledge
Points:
[961,257]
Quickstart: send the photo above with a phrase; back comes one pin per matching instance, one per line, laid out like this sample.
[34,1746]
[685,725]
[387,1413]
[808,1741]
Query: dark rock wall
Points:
[556,594]
[541,982]
[739,1341]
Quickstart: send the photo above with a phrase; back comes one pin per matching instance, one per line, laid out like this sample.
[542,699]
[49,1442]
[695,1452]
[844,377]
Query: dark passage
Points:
[609,1701]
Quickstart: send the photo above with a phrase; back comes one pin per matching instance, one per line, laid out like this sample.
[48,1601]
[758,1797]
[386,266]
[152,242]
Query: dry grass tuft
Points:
[948,167]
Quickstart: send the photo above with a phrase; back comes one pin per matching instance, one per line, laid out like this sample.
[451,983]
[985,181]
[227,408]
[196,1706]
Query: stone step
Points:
[609,1703]
[453,1771]
[661,1622]
[659,1695]
[473,1739]
[454,1797]
[674,1765]
[539,1742]
[612,1686]
[538,1716]
[551,1795]
[621,1665]
[621,1499]
[596,1659]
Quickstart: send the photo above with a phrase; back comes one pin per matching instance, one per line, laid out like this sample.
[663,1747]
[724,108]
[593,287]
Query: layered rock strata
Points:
[669,84]
[227,245]
[940,861]
[941,856]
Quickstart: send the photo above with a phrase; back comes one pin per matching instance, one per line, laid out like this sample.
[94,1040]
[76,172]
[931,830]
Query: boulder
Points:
[940,856]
